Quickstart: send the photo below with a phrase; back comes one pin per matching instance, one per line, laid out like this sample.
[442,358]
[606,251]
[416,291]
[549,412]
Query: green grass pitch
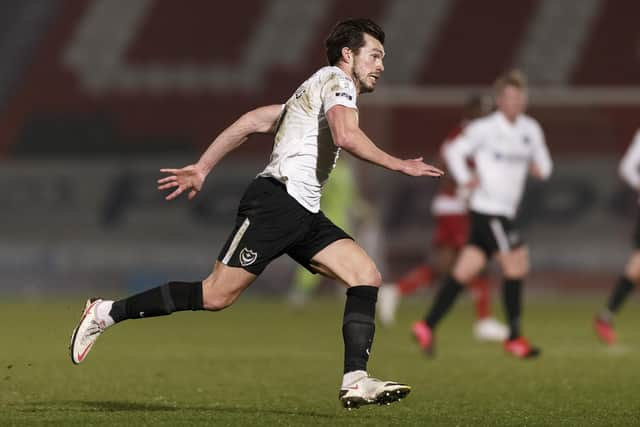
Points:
[259,363]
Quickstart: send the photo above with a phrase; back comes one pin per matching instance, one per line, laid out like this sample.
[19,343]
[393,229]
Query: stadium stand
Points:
[92,80]
[139,84]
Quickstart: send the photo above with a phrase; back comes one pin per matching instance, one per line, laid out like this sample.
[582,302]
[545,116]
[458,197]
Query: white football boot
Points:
[366,390]
[86,332]
[489,329]
[388,300]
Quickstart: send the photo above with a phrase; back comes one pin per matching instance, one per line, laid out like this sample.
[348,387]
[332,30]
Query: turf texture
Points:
[260,363]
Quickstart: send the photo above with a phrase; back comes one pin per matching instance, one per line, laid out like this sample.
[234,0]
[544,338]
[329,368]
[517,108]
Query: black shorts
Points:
[493,233]
[270,223]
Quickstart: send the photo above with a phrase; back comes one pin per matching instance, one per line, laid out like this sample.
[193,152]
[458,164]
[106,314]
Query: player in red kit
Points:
[449,208]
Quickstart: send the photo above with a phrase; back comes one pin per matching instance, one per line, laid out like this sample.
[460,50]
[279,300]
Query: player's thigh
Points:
[224,285]
[346,261]
[514,263]
[469,264]
[632,269]
[268,221]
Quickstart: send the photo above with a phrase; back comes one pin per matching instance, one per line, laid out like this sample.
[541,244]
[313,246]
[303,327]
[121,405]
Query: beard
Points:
[365,87]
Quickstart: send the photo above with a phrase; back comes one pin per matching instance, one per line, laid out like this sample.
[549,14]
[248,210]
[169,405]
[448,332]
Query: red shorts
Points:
[452,231]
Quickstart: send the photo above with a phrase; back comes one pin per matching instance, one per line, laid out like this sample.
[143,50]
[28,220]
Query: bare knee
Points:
[369,276]
[216,298]
[374,278]
[516,269]
[469,264]
[633,276]
[516,264]
[217,302]
[632,270]
[464,275]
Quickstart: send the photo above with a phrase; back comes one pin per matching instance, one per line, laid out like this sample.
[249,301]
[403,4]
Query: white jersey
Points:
[630,164]
[303,152]
[502,152]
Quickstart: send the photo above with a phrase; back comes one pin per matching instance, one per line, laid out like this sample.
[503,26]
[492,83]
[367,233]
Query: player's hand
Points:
[188,178]
[416,167]
[534,170]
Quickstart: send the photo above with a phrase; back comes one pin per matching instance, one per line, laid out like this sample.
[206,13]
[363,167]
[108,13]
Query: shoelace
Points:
[94,328]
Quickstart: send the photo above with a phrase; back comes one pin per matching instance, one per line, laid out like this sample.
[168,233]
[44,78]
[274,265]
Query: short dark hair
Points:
[350,33]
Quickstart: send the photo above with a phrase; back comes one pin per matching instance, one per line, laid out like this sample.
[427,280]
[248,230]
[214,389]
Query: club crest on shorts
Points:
[247,257]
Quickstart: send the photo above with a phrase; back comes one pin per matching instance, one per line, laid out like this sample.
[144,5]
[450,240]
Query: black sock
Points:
[620,293]
[512,293]
[358,326]
[444,300]
[159,301]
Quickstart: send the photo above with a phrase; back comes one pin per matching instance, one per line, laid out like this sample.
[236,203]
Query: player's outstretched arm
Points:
[191,178]
[456,155]
[343,122]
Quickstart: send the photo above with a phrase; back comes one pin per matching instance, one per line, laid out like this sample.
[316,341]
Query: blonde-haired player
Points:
[505,146]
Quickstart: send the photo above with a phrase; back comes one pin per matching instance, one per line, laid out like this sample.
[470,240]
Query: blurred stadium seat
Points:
[90,87]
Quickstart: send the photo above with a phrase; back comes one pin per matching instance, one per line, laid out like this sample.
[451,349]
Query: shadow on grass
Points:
[127,406]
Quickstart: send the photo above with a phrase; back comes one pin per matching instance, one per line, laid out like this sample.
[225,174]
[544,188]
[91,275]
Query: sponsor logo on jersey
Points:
[247,257]
[510,157]
[346,95]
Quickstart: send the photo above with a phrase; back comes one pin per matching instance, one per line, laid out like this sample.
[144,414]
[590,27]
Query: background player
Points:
[504,146]
[280,211]
[449,208]
[340,202]
[630,172]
